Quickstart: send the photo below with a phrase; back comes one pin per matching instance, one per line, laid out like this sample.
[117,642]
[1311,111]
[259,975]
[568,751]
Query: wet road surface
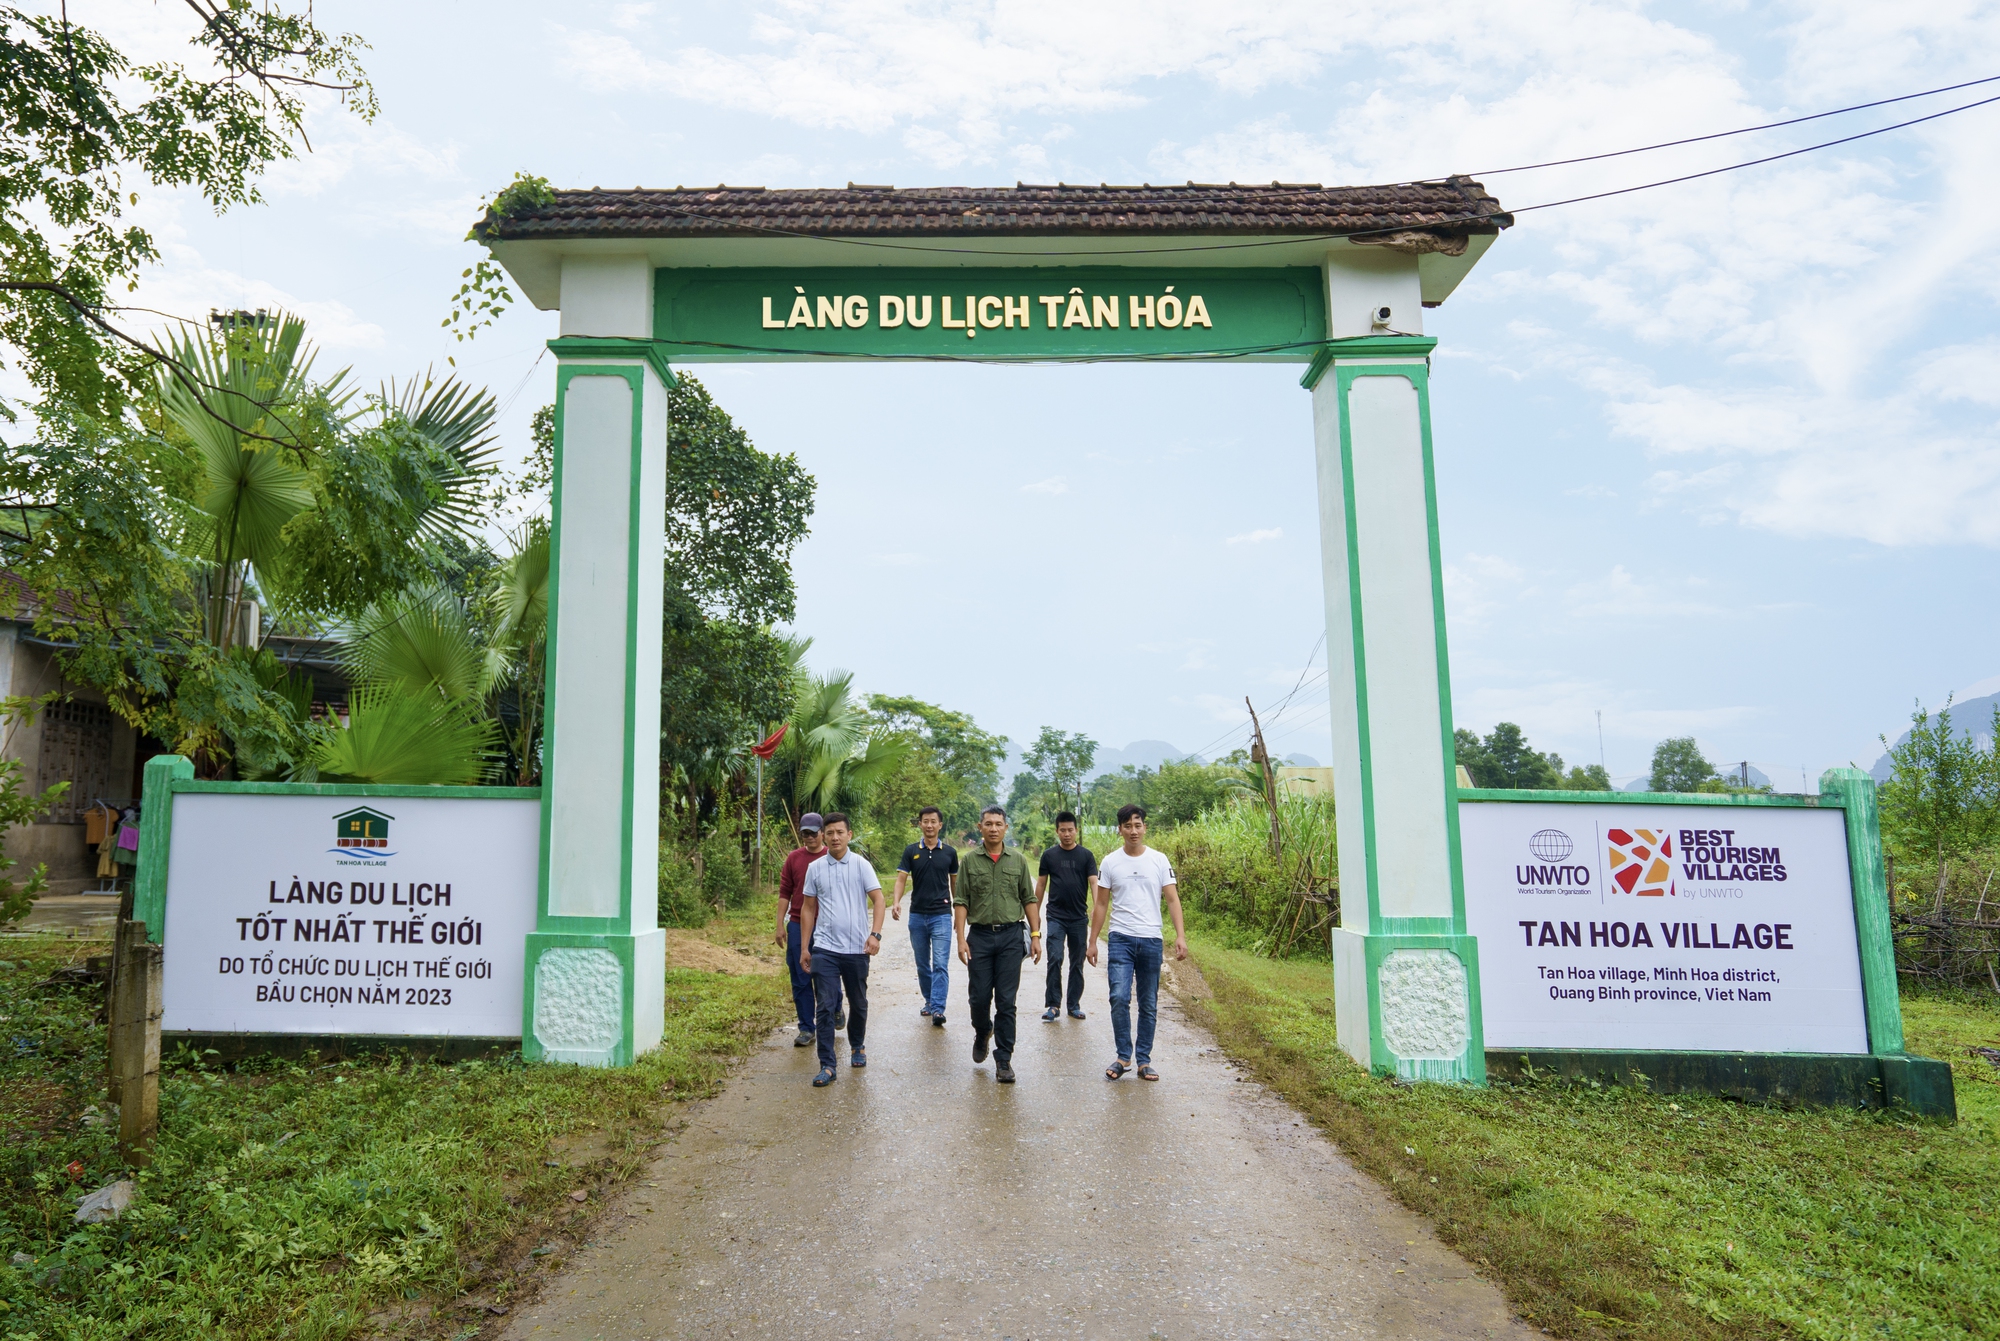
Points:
[918,1198]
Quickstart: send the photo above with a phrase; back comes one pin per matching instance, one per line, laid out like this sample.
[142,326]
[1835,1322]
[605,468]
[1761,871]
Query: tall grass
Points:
[1238,894]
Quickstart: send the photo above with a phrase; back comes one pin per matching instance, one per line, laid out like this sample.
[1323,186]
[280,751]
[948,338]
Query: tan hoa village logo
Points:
[361,832]
[1641,860]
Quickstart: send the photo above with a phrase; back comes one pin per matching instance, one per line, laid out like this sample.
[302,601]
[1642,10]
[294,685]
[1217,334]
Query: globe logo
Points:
[1551,845]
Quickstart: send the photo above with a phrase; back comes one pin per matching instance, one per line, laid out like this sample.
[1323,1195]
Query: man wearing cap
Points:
[841,925]
[993,894]
[929,867]
[791,893]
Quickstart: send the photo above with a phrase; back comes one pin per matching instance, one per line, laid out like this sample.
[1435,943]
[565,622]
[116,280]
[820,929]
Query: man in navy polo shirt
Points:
[931,869]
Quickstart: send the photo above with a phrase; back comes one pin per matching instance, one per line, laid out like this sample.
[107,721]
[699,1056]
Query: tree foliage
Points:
[141,540]
[1943,794]
[1679,766]
[951,764]
[1505,759]
[79,120]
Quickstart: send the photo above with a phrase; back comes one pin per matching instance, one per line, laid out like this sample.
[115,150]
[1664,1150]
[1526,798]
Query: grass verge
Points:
[317,1200]
[1614,1212]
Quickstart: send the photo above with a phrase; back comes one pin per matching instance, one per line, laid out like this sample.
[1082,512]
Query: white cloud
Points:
[1054,484]
[1256,537]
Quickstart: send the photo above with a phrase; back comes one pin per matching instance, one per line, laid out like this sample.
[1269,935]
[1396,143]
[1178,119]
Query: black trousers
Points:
[994,980]
[1072,934]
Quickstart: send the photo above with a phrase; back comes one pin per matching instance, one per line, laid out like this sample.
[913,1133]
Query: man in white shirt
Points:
[1131,882]
[841,896]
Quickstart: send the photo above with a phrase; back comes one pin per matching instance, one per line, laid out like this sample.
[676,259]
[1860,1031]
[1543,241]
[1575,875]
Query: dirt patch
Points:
[1184,980]
[690,950]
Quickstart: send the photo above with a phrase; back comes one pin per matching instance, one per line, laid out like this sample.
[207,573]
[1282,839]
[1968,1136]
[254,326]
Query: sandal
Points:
[1146,1072]
[1116,1071]
[824,1078]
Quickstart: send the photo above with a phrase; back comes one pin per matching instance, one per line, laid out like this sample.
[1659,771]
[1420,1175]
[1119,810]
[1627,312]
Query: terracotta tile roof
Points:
[1421,216]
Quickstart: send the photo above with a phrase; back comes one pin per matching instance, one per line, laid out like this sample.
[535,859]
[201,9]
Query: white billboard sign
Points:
[348,915]
[1674,928]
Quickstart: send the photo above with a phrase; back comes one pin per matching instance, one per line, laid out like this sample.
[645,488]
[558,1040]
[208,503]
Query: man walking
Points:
[931,869]
[842,896]
[992,895]
[1069,878]
[1131,882]
[791,892]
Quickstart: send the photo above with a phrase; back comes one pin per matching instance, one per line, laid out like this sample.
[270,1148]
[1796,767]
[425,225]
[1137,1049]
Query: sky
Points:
[1715,459]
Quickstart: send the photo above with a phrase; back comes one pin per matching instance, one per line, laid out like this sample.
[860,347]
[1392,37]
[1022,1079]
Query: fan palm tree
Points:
[519,605]
[830,758]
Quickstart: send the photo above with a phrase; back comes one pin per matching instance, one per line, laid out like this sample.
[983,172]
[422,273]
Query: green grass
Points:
[312,1200]
[1614,1212]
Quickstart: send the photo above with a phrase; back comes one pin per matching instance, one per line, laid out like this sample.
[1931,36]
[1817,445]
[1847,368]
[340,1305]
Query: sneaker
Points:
[840,1018]
[824,1078]
[1051,1015]
[1004,1074]
[805,1039]
[938,1020]
[979,1042]
[1075,1013]
[859,1057]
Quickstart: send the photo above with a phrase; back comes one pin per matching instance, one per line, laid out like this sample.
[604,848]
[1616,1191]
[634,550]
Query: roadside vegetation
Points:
[315,1198]
[1609,1211]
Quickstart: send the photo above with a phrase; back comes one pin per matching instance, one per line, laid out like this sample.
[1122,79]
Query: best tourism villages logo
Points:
[1642,862]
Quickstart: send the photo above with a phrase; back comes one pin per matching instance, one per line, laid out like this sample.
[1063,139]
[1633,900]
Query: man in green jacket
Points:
[993,895]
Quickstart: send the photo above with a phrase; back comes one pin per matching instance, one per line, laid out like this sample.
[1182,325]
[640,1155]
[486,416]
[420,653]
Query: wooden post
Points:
[1262,757]
[135,1039]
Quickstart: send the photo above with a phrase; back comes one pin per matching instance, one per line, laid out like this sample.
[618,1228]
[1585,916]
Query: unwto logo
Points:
[1641,861]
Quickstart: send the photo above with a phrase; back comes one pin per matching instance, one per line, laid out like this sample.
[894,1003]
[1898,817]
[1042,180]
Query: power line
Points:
[1725,134]
[1371,232]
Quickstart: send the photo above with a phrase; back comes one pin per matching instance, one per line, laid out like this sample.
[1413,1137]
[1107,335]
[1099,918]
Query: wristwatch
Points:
[874,935]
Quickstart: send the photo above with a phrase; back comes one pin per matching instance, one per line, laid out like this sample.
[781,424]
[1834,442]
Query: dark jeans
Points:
[802,982]
[995,978]
[1134,958]
[831,972]
[1073,935]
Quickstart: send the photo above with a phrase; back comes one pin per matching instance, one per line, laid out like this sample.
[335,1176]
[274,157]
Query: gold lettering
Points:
[830,312]
[990,319]
[1074,314]
[946,320]
[1197,314]
[857,311]
[910,306]
[1168,319]
[802,313]
[1141,309]
[770,324]
[1104,311]
[1051,301]
[892,311]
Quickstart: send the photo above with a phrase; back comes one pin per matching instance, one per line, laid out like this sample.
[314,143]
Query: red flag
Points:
[770,747]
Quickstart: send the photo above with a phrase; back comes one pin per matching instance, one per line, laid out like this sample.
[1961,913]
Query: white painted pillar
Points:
[596,973]
[1406,974]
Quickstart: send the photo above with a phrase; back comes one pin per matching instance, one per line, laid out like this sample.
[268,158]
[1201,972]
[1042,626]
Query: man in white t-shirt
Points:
[1131,883]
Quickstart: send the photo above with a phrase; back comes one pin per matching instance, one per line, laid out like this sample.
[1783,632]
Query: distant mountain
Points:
[1302,760]
[1973,718]
[1644,782]
[1139,754]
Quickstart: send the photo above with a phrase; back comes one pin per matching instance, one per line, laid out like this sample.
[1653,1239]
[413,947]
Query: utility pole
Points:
[1600,744]
[1262,758]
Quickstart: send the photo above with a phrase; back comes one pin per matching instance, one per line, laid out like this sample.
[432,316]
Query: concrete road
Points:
[918,1198]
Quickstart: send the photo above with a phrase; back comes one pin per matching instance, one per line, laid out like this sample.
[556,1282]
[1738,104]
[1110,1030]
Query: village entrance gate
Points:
[1334,279]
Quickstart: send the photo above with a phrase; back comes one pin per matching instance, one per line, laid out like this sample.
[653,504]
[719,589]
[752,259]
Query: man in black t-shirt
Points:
[1069,878]
[929,868]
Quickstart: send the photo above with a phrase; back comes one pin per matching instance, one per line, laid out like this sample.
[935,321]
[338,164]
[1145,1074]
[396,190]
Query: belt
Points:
[994,926]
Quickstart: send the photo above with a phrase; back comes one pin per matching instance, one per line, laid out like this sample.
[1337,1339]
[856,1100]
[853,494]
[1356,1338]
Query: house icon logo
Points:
[361,832]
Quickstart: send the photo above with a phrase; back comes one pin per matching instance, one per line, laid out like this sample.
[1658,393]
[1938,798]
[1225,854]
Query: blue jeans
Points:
[832,971]
[931,938]
[802,983]
[1134,956]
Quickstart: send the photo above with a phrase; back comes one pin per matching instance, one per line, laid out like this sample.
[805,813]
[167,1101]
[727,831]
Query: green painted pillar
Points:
[596,961]
[1406,973]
